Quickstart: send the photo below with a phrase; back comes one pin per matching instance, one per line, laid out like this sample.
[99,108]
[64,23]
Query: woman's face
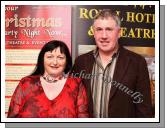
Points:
[54,62]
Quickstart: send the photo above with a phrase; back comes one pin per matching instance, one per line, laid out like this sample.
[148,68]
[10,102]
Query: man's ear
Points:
[119,33]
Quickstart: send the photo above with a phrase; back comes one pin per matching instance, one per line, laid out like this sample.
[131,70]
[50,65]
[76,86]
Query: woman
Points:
[48,91]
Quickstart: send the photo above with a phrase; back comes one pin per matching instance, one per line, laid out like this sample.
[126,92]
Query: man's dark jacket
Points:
[130,79]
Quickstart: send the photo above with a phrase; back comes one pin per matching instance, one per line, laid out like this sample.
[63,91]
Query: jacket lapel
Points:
[89,63]
[120,69]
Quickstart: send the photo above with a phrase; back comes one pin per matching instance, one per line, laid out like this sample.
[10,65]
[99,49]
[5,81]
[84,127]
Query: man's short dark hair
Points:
[106,13]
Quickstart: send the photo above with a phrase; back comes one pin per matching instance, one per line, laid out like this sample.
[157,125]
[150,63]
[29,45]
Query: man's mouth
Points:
[104,42]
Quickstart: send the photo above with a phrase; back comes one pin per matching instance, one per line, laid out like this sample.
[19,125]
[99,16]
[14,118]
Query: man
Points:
[119,84]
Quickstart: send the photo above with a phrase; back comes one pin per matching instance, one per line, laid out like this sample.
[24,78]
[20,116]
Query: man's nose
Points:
[104,34]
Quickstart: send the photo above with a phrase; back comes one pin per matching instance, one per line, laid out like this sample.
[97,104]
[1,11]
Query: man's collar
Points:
[96,52]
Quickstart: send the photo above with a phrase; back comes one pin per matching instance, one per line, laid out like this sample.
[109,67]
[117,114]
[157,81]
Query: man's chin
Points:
[106,49]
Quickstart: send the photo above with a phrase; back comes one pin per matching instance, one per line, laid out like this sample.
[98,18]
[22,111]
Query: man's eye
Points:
[109,29]
[98,29]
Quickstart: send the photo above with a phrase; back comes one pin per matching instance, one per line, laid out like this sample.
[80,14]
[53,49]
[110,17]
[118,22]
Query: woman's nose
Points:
[55,61]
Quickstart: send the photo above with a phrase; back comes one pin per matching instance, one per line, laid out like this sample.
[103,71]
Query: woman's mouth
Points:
[54,67]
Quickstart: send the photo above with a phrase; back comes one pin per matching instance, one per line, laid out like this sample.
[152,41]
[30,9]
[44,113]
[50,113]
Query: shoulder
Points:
[30,78]
[83,60]
[132,55]
[26,81]
[85,56]
[74,80]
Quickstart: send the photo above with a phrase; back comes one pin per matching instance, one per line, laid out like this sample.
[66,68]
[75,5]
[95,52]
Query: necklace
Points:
[49,79]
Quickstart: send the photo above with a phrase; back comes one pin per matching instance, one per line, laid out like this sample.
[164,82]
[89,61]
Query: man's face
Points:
[106,34]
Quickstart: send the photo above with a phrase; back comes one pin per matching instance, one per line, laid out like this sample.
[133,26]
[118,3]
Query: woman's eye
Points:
[49,57]
[61,58]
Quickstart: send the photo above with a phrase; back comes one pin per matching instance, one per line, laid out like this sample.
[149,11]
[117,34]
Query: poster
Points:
[27,29]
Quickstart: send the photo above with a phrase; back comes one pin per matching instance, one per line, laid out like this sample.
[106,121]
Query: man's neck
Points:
[106,56]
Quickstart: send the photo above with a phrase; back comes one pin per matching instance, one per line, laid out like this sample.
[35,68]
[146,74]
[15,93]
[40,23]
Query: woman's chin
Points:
[53,74]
